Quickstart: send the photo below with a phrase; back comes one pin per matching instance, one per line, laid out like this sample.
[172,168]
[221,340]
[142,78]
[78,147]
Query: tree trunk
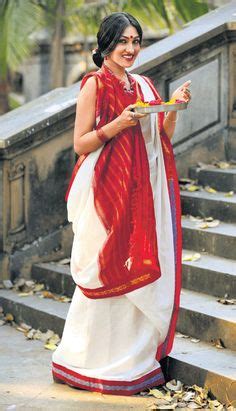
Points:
[57,48]
[4,106]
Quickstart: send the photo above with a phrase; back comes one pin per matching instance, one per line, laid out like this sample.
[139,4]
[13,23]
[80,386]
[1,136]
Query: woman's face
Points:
[127,48]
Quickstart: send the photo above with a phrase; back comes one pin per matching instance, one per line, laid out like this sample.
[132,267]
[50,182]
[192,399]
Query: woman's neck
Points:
[116,69]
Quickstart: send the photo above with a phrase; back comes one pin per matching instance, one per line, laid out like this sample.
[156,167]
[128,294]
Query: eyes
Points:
[123,41]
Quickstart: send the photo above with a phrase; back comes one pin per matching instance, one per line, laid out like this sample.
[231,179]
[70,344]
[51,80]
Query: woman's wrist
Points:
[101,135]
[172,116]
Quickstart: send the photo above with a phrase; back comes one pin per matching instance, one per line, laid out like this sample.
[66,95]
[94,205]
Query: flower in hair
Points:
[95,51]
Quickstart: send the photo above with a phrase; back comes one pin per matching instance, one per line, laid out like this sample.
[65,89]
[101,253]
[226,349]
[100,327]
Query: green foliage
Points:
[189,10]
[18,19]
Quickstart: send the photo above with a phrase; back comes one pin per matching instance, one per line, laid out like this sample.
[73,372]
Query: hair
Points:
[110,31]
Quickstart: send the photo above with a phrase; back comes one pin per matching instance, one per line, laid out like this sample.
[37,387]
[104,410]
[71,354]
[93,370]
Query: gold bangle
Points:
[172,121]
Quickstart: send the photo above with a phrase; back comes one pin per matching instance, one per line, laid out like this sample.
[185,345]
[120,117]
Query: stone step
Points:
[203,317]
[210,275]
[40,313]
[217,314]
[193,363]
[204,365]
[220,179]
[220,240]
[204,204]
[200,316]
[56,277]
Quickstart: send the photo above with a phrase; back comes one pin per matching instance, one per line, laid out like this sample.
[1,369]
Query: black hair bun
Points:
[97,57]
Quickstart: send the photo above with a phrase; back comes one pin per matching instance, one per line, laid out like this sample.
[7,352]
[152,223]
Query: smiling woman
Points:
[124,204]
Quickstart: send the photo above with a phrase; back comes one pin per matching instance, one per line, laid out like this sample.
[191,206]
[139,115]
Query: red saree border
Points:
[115,387]
[103,292]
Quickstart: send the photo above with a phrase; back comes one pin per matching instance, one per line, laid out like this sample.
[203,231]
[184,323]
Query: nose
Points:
[130,47]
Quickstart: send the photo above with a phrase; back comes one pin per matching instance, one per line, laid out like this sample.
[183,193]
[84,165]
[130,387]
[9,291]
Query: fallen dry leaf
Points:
[25,294]
[192,405]
[200,390]
[48,334]
[64,261]
[39,287]
[218,343]
[30,283]
[195,218]
[19,283]
[9,317]
[156,393]
[222,164]
[227,301]
[210,190]
[174,385]
[25,326]
[20,329]
[210,224]
[37,335]
[30,334]
[180,335]
[55,339]
[62,299]
[188,396]
[7,284]
[50,346]
[214,403]
[195,340]
[229,194]
[191,257]
[182,405]
[193,187]
[47,294]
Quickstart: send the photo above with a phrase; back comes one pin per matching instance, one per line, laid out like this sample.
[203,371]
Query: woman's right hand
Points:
[129,118]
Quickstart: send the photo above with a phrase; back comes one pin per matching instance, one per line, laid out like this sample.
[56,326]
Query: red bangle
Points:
[102,136]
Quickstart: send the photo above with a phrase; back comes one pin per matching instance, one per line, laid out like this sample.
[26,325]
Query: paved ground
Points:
[26,381]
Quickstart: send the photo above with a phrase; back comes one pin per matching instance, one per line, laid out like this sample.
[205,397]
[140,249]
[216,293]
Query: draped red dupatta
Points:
[123,196]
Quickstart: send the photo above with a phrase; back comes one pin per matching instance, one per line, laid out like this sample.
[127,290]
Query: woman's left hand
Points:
[183,92]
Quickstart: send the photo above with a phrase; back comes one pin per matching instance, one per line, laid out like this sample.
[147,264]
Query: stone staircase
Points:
[212,360]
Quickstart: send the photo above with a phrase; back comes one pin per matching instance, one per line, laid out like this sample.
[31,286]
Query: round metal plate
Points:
[161,107]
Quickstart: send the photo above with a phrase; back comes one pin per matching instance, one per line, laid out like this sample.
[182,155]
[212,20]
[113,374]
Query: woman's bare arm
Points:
[85,137]
[170,123]
[181,93]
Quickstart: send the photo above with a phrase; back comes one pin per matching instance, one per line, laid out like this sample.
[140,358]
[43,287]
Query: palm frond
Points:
[190,9]
[20,20]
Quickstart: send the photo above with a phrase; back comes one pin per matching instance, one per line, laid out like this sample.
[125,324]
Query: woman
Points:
[124,205]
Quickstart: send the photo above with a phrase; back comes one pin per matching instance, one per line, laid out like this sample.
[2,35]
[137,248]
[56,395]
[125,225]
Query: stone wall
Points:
[36,161]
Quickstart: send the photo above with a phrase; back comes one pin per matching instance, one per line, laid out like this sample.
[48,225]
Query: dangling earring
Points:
[106,57]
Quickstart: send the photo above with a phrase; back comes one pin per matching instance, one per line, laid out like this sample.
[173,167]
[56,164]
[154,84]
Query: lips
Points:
[128,57]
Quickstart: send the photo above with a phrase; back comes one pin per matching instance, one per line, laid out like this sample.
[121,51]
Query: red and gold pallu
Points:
[124,205]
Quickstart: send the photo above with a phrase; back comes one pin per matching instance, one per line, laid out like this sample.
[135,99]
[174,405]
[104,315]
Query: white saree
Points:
[110,345]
